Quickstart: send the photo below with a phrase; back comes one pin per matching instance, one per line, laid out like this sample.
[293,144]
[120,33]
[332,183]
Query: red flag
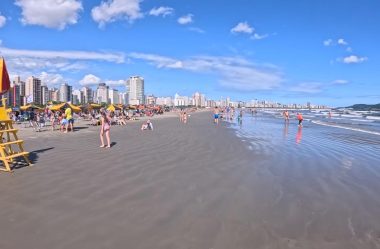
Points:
[5,83]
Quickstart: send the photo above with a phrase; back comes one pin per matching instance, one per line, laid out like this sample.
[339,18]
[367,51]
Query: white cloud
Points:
[51,79]
[3,20]
[233,72]
[340,82]
[161,11]
[342,42]
[197,30]
[185,19]
[328,42]
[308,87]
[50,13]
[349,49]
[354,59]
[90,80]
[242,27]
[259,37]
[70,55]
[112,10]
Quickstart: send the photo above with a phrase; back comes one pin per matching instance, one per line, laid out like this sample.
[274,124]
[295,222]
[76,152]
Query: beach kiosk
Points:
[11,147]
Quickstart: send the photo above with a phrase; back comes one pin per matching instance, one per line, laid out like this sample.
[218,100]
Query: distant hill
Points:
[364,107]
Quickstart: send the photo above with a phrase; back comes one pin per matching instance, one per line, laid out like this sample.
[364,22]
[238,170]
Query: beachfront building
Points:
[54,94]
[199,100]
[123,98]
[113,96]
[45,98]
[33,90]
[181,100]
[135,89]
[150,100]
[77,97]
[87,95]
[65,92]
[102,93]
[166,101]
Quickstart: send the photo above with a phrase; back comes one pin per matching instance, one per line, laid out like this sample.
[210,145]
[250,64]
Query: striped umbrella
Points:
[5,83]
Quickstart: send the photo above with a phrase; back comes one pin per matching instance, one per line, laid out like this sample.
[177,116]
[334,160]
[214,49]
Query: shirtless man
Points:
[286,116]
[216,115]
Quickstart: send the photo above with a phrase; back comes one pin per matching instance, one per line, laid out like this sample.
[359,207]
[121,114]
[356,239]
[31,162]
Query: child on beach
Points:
[147,125]
[63,123]
[105,129]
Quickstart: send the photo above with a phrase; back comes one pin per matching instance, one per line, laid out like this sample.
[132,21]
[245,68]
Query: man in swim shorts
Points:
[216,115]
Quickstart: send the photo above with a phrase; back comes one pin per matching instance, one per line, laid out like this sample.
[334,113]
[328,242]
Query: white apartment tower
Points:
[135,89]
[65,92]
[33,90]
[102,93]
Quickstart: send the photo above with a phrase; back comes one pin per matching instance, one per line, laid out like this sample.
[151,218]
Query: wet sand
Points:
[181,186]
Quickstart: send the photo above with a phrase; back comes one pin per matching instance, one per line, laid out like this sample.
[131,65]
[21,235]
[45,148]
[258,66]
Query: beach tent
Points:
[63,106]
[113,108]
[30,107]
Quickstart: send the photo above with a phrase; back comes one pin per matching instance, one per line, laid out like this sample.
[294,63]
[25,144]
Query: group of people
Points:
[286,116]
[183,116]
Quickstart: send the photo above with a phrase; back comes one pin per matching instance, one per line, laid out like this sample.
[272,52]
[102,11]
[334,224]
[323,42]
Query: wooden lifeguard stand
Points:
[9,140]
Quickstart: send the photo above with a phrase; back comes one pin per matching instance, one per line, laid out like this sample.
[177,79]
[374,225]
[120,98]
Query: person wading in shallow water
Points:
[300,119]
[105,129]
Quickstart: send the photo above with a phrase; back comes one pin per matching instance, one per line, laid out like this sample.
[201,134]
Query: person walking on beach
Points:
[216,115]
[240,117]
[300,119]
[70,119]
[105,129]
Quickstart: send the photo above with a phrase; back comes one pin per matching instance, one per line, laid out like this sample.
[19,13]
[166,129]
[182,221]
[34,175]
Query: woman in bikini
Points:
[105,129]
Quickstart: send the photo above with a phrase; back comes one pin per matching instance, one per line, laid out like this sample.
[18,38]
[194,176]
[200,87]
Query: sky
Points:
[323,52]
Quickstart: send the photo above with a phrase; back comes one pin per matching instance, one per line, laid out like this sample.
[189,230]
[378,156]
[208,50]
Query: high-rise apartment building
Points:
[102,95]
[33,90]
[87,95]
[135,89]
[45,98]
[113,96]
[65,93]
[77,97]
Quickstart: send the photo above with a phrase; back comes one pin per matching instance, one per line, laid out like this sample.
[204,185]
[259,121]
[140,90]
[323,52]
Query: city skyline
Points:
[283,51]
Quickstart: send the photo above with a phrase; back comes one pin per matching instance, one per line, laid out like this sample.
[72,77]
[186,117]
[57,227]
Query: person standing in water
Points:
[240,117]
[216,115]
[300,119]
[286,115]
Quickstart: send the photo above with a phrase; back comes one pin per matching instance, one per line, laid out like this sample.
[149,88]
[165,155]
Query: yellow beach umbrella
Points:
[30,106]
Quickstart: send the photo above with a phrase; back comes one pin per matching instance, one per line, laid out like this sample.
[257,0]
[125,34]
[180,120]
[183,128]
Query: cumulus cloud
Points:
[342,42]
[50,13]
[161,11]
[3,20]
[328,42]
[233,72]
[242,27]
[51,79]
[112,10]
[90,80]
[183,20]
[353,59]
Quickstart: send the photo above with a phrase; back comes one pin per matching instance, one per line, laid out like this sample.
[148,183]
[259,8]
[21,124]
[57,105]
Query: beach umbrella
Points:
[112,108]
[63,106]
[5,83]
[30,107]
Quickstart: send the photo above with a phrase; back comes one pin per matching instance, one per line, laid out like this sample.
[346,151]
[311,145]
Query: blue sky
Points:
[324,51]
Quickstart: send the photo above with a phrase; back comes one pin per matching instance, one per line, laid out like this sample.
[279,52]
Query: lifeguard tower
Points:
[11,147]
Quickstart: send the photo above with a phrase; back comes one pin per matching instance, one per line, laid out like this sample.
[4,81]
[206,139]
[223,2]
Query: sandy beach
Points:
[186,186]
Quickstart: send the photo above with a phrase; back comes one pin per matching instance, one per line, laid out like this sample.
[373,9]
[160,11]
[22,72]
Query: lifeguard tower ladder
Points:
[9,140]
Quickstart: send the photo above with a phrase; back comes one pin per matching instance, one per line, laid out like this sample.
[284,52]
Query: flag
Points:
[5,83]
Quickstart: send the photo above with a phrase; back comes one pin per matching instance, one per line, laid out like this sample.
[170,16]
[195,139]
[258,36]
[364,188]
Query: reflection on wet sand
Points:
[299,135]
